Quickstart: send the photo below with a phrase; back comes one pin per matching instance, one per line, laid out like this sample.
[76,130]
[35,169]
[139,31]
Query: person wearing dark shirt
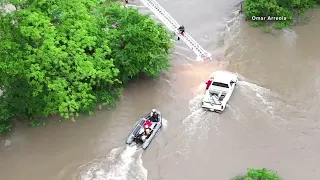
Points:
[154,116]
[181,30]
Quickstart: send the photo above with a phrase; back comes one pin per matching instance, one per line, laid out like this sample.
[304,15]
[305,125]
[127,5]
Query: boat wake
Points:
[197,117]
[197,120]
[262,101]
[122,163]
[193,122]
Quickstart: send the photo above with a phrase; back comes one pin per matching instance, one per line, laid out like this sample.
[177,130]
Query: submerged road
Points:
[271,121]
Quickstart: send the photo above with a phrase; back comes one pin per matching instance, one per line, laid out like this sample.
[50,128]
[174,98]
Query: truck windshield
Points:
[220,84]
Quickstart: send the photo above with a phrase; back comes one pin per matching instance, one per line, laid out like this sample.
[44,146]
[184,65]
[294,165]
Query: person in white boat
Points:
[154,116]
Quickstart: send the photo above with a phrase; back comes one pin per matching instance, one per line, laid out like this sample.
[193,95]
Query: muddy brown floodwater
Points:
[272,119]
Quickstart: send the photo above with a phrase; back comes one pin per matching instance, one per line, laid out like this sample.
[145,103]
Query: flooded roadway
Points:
[271,121]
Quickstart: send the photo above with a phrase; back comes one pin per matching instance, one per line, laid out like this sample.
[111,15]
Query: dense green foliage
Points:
[258,174]
[66,56]
[277,8]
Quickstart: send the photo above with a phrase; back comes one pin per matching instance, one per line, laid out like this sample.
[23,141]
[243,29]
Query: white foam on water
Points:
[93,171]
[232,25]
[164,124]
[113,153]
[260,92]
[230,32]
[290,37]
[197,123]
[198,117]
[236,112]
[266,101]
[192,122]
[119,168]
[231,36]
[261,99]
[139,172]
[195,103]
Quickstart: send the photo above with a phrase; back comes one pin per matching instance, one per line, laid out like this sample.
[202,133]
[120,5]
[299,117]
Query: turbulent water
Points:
[123,166]
[271,120]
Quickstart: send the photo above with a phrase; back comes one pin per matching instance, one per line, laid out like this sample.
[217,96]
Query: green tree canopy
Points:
[138,44]
[258,174]
[65,56]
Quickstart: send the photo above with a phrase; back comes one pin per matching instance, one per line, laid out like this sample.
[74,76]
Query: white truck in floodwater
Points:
[219,92]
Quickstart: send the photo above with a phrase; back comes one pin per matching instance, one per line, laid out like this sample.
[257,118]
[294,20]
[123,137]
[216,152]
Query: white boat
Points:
[137,135]
[219,92]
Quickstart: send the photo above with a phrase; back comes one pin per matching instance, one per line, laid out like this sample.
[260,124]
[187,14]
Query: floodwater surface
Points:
[272,119]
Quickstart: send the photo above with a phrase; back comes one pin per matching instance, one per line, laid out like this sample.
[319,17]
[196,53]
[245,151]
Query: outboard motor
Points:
[137,139]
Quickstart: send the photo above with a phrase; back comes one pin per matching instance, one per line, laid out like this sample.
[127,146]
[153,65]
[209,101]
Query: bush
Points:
[258,174]
[278,8]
